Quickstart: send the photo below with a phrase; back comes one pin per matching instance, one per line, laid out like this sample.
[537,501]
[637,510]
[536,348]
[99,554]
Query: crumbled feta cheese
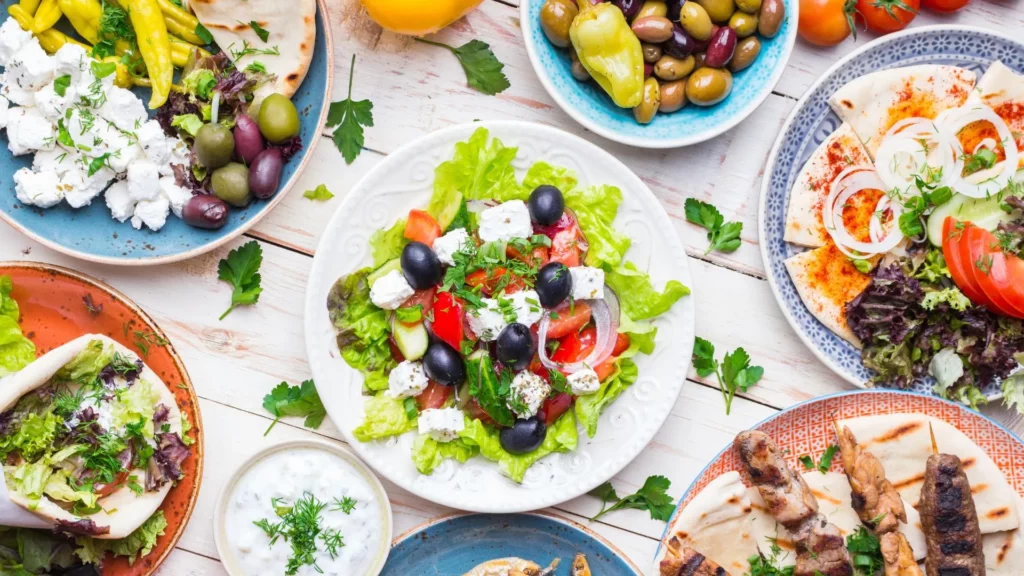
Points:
[154,143]
[390,290]
[16,95]
[446,246]
[505,221]
[120,202]
[57,160]
[152,213]
[407,379]
[143,180]
[526,303]
[71,59]
[5,105]
[123,109]
[443,424]
[38,189]
[489,320]
[180,156]
[52,105]
[12,38]
[527,393]
[83,187]
[587,283]
[486,322]
[175,194]
[27,131]
[30,68]
[583,382]
[121,158]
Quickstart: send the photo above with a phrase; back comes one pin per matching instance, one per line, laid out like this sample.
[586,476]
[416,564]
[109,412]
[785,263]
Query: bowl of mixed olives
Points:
[659,73]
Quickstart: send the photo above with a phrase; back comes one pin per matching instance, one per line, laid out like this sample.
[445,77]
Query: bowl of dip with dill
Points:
[303,508]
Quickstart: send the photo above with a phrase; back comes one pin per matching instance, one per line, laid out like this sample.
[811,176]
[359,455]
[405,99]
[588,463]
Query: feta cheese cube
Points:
[486,322]
[152,213]
[155,144]
[27,130]
[123,109]
[528,392]
[390,290]
[143,181]
[52,105]
[583,382]
[587,283]
[526,303]
[30,68]
[71,59]
[180,157]
[505,221]
[83,187]
[407,379]
[119,201]
[57,160]
[443,424]
[446,246]
[120,159]
[5,105]
[176,195]
[38,189]
[12,38]
[16,95]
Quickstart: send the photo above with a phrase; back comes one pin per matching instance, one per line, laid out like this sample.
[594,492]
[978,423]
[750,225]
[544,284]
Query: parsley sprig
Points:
[350,116]
[301,400]
[652,496]
[724,236]
[824,464]
[734,373]
[761,565]
[865,551]
[482,67]
[241,270]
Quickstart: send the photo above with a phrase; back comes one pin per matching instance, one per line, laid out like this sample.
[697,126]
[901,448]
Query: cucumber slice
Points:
[984,213]
[393,264]
[412,340]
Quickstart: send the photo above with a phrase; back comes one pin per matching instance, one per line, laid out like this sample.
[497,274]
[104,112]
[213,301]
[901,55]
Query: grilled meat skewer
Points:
[691,563]
[949,520]
[898,555]
[874,497]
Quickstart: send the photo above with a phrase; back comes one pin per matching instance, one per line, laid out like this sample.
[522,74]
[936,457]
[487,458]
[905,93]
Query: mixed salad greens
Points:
[499,317]
[16,351]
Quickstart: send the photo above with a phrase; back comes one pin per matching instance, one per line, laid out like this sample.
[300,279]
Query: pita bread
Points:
[874,102]
[292,28]
[126,510]
[1004,551]
[804,225]
[902,443]
[826,281]
[1002,90]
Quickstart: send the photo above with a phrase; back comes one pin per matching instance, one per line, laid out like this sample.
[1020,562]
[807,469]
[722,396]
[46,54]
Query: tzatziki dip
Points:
[305,511]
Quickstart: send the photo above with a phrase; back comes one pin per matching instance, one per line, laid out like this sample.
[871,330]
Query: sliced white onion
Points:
[989,143]
[849,183]
[955,121]
[605,315]
[913,146]
[477,206]
[214,107]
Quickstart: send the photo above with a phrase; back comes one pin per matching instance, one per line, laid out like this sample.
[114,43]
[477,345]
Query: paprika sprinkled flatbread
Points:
[1002,90]
[826,281]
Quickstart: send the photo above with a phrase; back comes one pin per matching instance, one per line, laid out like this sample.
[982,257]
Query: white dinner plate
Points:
[403,181]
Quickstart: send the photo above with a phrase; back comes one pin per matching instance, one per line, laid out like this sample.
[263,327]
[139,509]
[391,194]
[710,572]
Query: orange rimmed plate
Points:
[59,305]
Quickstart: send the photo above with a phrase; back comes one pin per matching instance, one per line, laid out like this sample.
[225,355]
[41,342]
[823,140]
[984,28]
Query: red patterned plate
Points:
[54,311]
[807,429]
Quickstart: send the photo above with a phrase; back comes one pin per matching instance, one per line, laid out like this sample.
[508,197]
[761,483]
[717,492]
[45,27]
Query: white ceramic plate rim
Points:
[769,87]
[220,537]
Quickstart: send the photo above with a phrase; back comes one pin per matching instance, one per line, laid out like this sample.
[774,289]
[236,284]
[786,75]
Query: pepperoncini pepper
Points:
[610,51]
[29,6]
[154,45]
[84,16]
[51,40]
[47,14]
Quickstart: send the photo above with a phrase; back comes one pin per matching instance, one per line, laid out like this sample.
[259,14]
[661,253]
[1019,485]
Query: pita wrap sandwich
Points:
[90,438]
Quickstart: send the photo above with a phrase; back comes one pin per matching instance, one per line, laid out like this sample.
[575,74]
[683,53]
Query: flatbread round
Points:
[827,281]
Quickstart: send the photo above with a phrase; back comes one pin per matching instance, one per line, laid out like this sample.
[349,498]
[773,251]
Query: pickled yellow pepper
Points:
[610,51]
[47,14]
[154,45]
[30,7]
[84,16]
[51,40]
[180,23]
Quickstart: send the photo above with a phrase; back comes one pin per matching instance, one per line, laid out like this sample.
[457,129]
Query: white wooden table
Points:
[416,89]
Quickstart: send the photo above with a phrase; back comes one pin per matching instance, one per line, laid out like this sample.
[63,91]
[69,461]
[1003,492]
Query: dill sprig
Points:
[301,525]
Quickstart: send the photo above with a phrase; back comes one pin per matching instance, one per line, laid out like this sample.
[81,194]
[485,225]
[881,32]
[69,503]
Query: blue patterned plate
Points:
[812,121]
[454,545]
[90,233]
[591,107]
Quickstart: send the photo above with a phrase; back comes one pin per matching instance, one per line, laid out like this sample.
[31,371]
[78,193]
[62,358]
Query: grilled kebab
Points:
[949,520]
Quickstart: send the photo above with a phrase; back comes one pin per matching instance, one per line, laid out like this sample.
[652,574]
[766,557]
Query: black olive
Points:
[444,365]
[554,283]
[420,265]
[674,8]
[524,436]
[515,346]
[546,205]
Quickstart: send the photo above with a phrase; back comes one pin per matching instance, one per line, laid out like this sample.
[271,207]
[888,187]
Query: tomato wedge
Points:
[102,490]
[953,238]
[499,278]
[569,319]
[449,316]
[575,346]
[537,257]
[621,344]
[422,298]
[986,256]
[555,406]
[421,227]
[434,396]
[605,369]
[1010,278]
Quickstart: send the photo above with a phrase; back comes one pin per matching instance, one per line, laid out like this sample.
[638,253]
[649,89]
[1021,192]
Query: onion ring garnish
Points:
[604,312]
[955,121]
[849,183]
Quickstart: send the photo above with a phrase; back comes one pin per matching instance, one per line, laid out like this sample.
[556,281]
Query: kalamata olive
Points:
[680,45]
[652,29]
[248,140]
[546,204]
[214,145]
[554,283]
[746,52]
[515,346]
[708,86]
[770,17]
[265,173]
[648,70]
[721,49]
[629,7]
[420,266]
[524,436]
[555,18]
[444,365]
[205,211]
[231,184]
[674,8]
[278,119]
[644,111]
[673,96]
[651,53]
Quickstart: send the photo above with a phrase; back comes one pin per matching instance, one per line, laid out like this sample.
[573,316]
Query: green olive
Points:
[770,17]
[555,18]
[718,10]
[231,184]
[670,68]
[278,119]
[578,71]
[708,86]
[648,107]
[695,20]
[652,52]
[653,8]
[214,145]
[749,6]
[745,54]
[673,96]
[744,24]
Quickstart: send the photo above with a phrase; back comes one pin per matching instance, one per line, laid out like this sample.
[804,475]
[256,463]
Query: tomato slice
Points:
[985,254]
[102,490]
[537,257]
[434,396]
[555,406]
[1010,278]
[953,240]
[621,344]
[421,227]
[565,248]
[570,319]
[575,346]
[499,278]
[605,369]
[449,319]
[422,298]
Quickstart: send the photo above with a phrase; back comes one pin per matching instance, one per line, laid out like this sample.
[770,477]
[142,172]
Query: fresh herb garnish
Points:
[724,236]
[824,464]
[143,340]
[347,503]
[98,163]
[61,84]
[865,552]
[247,49]
[256,66]
[301,525]
[103,69]
[241,270]
[734,373]
[350,116]
[259,30]
[302,400]
[980,160]
[761,565]
[482,67]
[204,34]
[652,496]
[412,410]
[319,193]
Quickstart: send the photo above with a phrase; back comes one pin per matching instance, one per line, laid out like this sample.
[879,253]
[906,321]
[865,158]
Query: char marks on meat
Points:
[949,520]
[874,498]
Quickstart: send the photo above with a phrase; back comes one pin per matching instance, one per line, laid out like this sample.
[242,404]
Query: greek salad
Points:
[499,316]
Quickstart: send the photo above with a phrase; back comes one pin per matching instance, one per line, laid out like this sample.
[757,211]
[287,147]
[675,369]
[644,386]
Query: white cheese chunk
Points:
[12,38]
[446,246]
[51,105]
[28,131]
[30,68]
[583,382]
[143,180]
[154,142]
[528,392]
[587,283]
[38,189]
[72,60]
[123,109]
[5,105]
[83,186]
[486,322]
[526,303]
[152,213]
[505,221]
[16,95]
[443,424]
[57,160]
[175,194]
[121,158]
[390,290]
[407,379]
[119,201]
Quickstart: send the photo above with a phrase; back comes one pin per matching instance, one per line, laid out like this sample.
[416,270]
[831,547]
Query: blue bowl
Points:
[455,545]
[588,104]
[90,233]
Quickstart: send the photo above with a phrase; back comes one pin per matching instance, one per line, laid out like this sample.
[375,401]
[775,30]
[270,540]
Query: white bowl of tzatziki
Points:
[307,508]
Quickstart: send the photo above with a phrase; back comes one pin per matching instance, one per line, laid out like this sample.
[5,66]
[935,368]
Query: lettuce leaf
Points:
[595,209]
[58,488]
[86,366]
[28,479]
[362,329]
[138,543]
[543,173]
[428,453]
[561,437]
[479,170]
[383,416]
[33,437]
[38,551]
[8,305]
[387,244]
[135,402]
[637,296]
[16,351]
[588,408]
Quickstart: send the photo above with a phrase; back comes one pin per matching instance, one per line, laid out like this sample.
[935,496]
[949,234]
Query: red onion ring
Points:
[605,313]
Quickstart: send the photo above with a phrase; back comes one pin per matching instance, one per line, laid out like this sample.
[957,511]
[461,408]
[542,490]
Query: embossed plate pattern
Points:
[404,181]
[812,121]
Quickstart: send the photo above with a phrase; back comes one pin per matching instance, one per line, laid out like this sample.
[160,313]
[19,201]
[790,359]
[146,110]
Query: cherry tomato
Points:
[569,319]
[953,233]
[827,22]
[434,396]
[538,256]
[944,6]
[555,406]
[885,16]
[449,317]
[497,279]
[986,255]
[421,227]
[575,346]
